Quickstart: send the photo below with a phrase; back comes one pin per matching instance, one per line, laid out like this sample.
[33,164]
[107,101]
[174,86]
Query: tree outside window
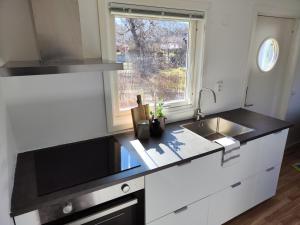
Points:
[155,51]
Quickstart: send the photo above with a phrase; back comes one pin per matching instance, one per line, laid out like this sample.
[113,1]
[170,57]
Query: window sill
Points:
[173,114]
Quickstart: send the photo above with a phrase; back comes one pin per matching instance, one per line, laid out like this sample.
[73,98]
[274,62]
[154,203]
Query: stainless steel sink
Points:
[215,128]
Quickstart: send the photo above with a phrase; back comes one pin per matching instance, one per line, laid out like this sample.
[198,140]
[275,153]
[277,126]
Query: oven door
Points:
[123,214]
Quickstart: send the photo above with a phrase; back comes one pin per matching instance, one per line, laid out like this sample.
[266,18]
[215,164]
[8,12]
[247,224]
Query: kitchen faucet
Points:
[199,114]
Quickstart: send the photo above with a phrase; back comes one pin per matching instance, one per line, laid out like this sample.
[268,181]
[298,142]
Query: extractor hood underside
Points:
[28,68]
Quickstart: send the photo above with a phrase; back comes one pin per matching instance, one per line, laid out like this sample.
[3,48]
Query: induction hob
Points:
[68,165]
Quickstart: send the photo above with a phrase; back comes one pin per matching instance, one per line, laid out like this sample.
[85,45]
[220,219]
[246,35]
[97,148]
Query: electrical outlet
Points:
[219,86]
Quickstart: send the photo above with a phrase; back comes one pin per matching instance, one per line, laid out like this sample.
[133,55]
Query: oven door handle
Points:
[104,213]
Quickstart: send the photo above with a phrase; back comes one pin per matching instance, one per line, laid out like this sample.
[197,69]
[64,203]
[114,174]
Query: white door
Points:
[268,64]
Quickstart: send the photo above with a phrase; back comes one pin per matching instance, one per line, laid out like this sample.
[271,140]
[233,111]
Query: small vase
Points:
[155,128]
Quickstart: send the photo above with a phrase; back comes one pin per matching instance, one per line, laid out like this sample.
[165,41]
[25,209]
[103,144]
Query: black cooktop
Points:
[68,165]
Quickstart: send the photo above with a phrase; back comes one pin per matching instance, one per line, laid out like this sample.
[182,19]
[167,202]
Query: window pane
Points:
[268,55]
[155,50]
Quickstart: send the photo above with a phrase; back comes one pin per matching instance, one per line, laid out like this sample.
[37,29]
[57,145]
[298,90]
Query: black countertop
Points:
[262,125]
[175,140]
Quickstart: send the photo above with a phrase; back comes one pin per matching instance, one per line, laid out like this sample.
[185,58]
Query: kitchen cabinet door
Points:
[178,186]
[194,214]
[266,184]
[243,167]
[272,149]
[231,202]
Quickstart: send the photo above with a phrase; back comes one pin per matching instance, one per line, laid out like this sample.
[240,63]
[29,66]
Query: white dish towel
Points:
[231,153]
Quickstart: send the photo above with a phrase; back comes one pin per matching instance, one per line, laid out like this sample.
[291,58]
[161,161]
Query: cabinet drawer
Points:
[266,184]
[194,214]
[231,202]
[245,165]
[272,149]
[178,186]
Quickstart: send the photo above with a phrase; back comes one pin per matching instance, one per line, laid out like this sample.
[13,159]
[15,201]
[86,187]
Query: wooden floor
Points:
[284,208]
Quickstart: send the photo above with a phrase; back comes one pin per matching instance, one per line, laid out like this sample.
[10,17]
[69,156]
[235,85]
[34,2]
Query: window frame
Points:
[118,120]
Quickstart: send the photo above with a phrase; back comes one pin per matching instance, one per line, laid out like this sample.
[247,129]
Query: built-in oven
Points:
[120,204]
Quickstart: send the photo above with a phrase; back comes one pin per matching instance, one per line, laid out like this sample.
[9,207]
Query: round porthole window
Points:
[268,55]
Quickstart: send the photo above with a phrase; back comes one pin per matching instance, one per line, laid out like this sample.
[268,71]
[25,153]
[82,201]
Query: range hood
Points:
[65,35]
[29,68]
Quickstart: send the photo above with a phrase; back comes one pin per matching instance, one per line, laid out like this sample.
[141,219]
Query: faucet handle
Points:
[199,115]
[202,115]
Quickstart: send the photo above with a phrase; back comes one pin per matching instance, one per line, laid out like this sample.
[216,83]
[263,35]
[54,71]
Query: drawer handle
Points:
[180,210]
[236,184]
[184,163]
[270,169]
[230,158]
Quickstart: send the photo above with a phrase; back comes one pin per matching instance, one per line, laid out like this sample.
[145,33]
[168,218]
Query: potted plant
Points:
[160,115]
[158,119]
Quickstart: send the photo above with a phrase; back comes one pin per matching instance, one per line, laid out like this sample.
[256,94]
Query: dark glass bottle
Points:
[155,128]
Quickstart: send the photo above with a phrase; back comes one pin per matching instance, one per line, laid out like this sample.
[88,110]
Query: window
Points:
[162,51]
[268,55]
[156,52]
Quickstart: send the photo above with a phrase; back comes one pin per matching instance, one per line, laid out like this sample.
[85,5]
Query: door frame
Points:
[292,58]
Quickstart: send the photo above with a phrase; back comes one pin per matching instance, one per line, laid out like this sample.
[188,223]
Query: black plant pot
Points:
[155,128]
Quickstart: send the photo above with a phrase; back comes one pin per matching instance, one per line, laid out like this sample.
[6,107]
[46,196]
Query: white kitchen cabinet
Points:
[231,190]
[256,156]
[194,214]
[259,163]
[272,149]
[175,187]
[245,165]
[242,196]
[231,201]
[266,184]
[178,186]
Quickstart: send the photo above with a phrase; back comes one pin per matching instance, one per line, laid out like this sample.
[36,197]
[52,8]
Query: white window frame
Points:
[121,120]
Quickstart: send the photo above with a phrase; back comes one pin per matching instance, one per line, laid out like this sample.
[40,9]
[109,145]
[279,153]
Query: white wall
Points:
[7,157]
[17,34]
[75,103]
[50,110]
[56,109]
[227,41]
[293,114]
[7,162]
[4,183]
[14,23]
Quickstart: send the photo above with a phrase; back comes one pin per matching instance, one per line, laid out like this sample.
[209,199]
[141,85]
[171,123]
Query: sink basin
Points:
[217,127]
